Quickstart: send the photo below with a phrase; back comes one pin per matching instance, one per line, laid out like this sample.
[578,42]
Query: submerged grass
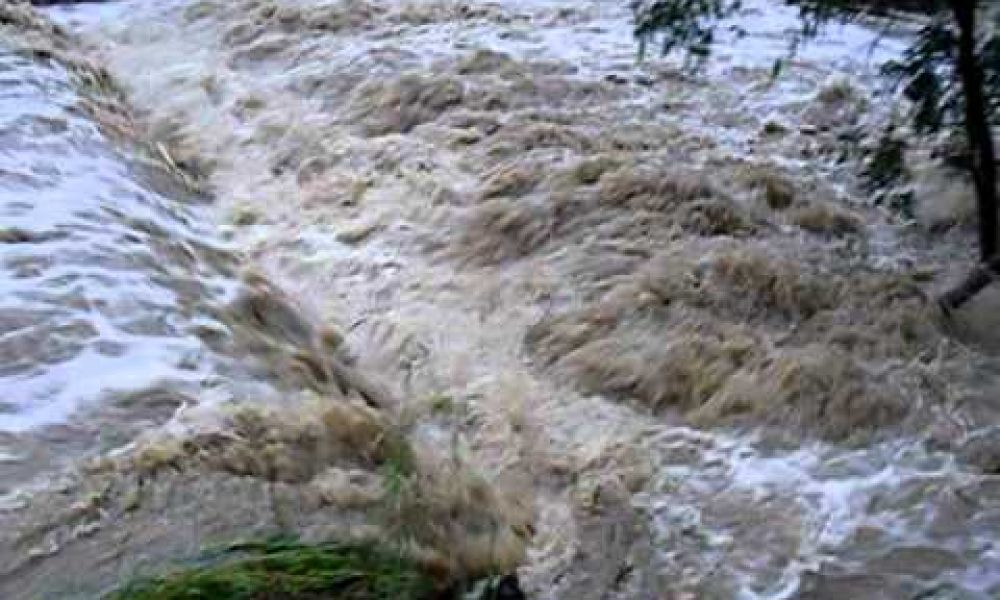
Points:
[290,570]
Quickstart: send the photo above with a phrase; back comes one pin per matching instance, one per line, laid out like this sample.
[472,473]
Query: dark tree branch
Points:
[975,282]
[977,127]
[983,159]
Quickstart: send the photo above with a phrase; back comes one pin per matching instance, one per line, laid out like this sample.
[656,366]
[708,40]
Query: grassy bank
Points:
[288,570]
[291,570]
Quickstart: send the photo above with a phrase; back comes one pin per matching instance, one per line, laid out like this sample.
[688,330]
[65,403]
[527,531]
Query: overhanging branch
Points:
[975,282]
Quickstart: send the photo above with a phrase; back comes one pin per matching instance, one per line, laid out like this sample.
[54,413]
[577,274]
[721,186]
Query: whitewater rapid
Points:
[654,308]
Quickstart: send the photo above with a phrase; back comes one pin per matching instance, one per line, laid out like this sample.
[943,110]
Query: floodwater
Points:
[646,330]
[102,274]
[109,269]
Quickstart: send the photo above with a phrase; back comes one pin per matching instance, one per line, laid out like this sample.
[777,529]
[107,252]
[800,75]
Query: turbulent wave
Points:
[644,321]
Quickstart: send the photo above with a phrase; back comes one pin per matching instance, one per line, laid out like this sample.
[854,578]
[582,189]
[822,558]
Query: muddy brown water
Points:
[120,305]
[652,308]
[113,279]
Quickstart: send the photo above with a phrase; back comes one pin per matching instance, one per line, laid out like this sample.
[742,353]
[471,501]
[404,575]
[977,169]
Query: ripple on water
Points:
[105,275]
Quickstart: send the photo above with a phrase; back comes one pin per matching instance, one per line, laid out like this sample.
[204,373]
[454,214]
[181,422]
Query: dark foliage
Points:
[686,24]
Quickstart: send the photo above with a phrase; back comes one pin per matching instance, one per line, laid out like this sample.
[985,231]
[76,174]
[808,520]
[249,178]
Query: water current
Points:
[646,330]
